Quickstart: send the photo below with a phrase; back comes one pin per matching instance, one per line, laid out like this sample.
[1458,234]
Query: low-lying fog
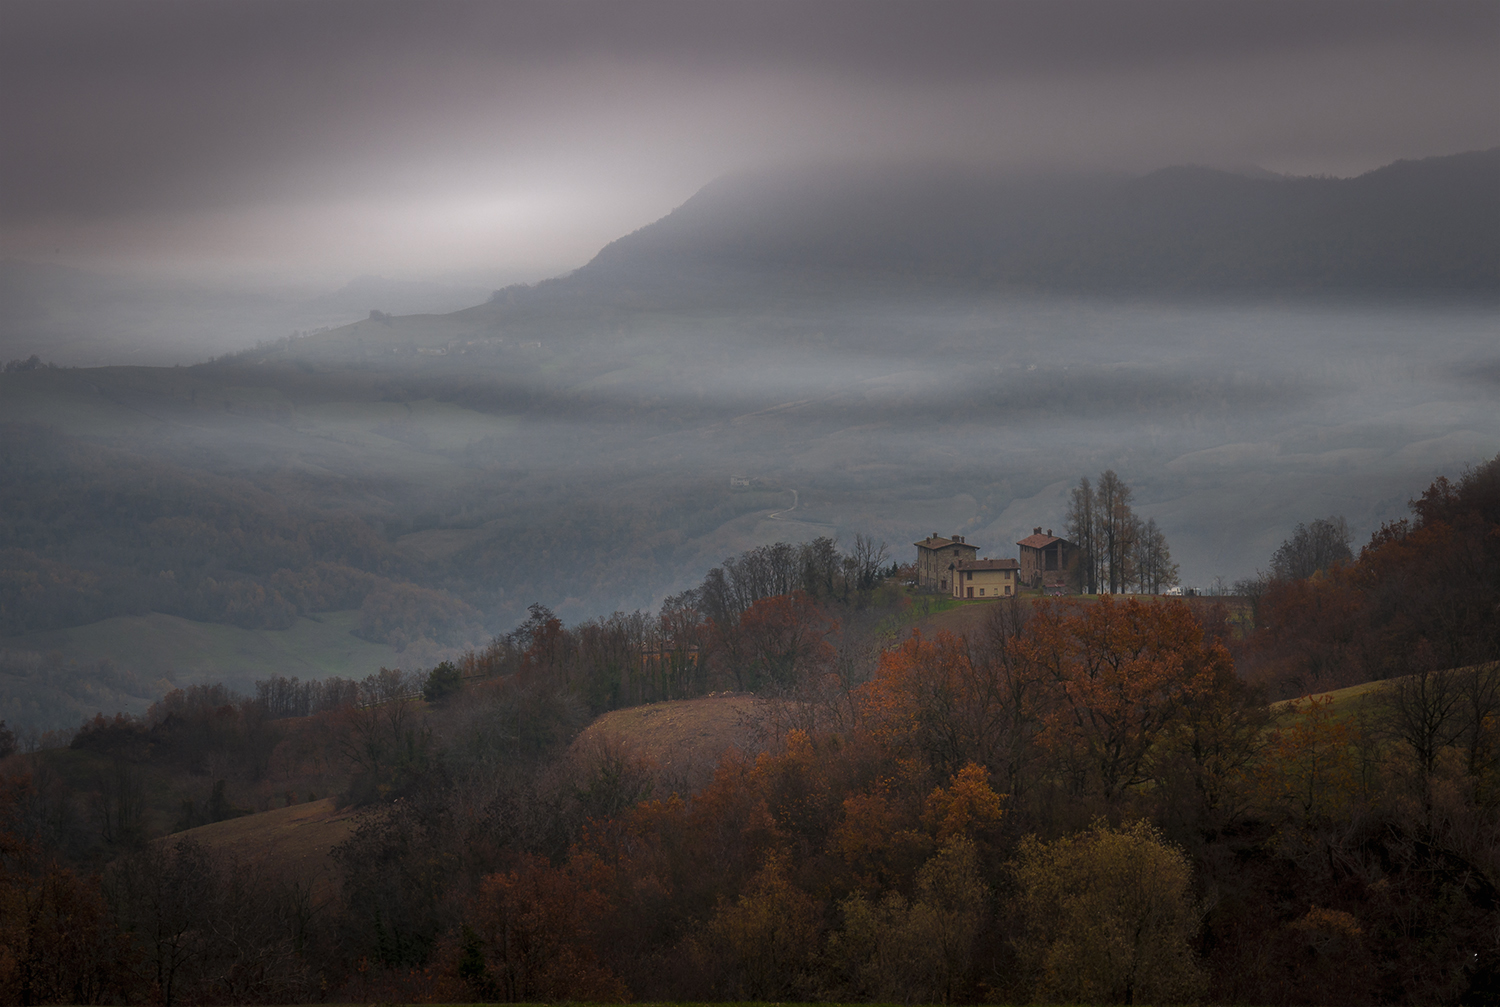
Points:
[479,433]
[1232,422]
[81,318]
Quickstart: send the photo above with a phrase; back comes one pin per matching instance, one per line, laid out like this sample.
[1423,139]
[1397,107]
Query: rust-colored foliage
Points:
[781,641]
[57,942]
[1125,673]
[858,862]
[1429,583]
[1095,685]
[941,700]
[1312,635]
[878,838]
[532,929]
[798,796]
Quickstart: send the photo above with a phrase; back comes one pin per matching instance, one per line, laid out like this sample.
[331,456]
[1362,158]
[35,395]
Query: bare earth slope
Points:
[685,738]
[293,842]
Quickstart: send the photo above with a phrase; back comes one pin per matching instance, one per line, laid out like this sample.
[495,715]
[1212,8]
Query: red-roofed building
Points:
[935,557]
[1046,560]
[986,578]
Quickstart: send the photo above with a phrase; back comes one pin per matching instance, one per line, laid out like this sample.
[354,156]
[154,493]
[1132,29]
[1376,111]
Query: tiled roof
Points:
[1038,541]
[990,564]
[934,542]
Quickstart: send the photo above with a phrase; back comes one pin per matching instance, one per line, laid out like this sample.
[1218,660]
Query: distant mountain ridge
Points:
[1427,226]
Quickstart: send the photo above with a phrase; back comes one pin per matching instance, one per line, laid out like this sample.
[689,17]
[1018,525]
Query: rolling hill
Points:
[880,351]
[1411,227]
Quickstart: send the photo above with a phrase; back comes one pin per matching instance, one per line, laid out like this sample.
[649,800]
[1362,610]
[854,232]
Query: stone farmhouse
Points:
[1045,561]
[936,558]
[952,566]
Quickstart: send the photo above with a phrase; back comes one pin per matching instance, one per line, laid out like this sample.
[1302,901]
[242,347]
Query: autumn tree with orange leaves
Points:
[954,701]
[778,642]
[1125,673]
[1095,686]
[528,934]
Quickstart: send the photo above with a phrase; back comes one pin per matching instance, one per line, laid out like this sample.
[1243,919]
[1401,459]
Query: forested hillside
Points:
[918,817]
[1422,596]
[102,533]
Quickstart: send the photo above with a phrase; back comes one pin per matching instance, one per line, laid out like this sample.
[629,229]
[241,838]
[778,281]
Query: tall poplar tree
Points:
[1115,523]
[1116,550]
[1153,560]
[1082,523]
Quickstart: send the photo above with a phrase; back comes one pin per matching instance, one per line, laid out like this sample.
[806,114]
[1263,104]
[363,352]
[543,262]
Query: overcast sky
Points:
[504,141]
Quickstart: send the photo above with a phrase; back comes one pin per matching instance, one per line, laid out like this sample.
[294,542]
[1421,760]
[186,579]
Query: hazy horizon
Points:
[944,352]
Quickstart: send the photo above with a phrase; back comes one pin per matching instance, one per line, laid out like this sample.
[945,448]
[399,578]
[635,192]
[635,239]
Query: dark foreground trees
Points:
[1073,801]
[1423,593]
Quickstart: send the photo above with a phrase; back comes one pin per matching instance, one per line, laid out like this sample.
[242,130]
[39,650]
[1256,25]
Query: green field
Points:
[1343,704]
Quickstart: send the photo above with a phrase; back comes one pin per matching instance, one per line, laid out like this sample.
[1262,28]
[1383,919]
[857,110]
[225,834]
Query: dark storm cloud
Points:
[117,110]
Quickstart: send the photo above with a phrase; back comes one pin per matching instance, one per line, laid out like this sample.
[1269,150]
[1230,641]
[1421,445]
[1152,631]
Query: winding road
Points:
[776,515]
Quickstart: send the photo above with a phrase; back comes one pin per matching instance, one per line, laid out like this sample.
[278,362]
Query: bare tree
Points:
[1014,690]
[208,929]
[385,742]
[1312,548]
[868,559]
[118,804]
[1153,559]
[1479,686]
[820,566]
[1115,524]
[1253,590]
[857,645]
[1115,549]
[1424,710]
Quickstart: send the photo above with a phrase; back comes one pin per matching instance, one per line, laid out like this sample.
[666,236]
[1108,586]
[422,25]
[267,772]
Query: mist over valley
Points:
[766,365]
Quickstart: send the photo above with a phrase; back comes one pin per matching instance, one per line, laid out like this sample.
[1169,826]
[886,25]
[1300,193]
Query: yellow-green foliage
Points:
[915,951]
[1109,917]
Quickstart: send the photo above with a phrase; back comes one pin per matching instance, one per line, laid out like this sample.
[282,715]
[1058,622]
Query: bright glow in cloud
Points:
[422,137]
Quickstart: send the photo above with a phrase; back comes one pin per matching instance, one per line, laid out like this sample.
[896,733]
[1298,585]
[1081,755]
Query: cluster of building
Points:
[951,565]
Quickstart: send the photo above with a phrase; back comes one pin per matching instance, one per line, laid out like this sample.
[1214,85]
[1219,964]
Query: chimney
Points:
[934,534]
[1037,530]
[1049,532]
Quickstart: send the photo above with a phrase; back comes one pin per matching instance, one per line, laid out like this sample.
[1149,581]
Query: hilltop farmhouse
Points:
[985,578]
[952,566]
[936,558]
[1045,561]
